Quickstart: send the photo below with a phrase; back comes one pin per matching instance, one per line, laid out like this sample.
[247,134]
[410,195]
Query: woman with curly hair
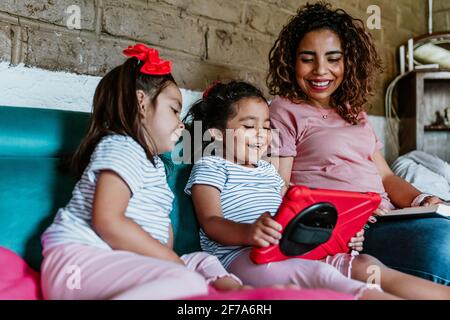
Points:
[323,68]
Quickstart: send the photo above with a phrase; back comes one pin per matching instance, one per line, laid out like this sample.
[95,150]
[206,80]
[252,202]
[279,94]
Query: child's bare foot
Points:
[229,284]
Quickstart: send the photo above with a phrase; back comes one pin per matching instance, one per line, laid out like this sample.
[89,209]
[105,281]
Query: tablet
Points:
[317,223]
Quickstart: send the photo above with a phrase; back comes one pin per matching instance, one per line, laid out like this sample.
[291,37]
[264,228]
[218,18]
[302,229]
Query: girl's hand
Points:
[377,213]
[356,243]
[265,231]
[429,201]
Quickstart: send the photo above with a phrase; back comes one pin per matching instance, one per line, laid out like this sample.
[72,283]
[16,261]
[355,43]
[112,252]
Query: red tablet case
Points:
[354,210]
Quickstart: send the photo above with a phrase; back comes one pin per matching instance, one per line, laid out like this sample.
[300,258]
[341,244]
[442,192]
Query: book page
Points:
[442,209]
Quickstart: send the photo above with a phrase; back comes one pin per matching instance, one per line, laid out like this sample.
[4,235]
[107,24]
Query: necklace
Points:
[319,108]
[325,115]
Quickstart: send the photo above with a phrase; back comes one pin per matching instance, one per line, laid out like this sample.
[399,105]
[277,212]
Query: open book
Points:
[441,209]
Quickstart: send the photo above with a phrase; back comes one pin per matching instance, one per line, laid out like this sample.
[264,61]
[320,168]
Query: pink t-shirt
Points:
[328,153]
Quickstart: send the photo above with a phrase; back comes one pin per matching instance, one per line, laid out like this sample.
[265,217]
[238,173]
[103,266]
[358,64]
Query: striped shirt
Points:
[149,206]
[245,194]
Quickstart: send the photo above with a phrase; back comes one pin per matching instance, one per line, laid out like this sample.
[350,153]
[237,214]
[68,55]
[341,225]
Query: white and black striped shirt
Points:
[245,194]
[149,206]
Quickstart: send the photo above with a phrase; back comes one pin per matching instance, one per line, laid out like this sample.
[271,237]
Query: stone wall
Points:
[441,15]
[207,39]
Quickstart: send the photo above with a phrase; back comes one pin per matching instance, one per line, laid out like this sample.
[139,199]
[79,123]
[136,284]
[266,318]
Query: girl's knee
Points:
[366,260]
[206,257]
[316,275]
[325,269]
[364,265]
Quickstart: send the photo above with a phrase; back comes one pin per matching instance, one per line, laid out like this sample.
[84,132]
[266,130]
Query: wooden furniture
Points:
[419,96]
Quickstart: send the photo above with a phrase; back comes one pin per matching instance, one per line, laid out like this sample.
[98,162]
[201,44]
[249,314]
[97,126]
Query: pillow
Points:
[431,53]
[17,280]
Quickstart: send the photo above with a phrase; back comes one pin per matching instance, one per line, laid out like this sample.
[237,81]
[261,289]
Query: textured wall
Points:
[207,39]
[441,15]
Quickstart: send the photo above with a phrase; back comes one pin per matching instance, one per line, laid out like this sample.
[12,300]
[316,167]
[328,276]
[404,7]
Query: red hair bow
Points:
[153,64]
[209,89]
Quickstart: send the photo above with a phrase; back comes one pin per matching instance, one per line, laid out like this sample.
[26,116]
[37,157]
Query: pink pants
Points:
[334,274]
[81,272]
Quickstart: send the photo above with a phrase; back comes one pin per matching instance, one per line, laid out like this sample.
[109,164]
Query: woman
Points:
[323,68]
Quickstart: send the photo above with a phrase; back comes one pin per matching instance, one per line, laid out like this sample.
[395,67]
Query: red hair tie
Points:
[209,89]
[153,64]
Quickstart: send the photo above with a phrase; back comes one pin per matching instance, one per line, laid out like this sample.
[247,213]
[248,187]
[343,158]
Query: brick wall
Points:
[441,15]
[207,39]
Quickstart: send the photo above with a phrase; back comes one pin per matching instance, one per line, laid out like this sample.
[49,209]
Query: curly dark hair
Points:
[361,60]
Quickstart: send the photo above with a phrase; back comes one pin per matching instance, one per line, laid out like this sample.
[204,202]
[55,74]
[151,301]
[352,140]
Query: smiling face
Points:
[320,66]
[250,132]
[162,119]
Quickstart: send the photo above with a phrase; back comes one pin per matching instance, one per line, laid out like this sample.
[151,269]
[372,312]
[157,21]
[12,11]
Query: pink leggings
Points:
[334,274]
[81,272]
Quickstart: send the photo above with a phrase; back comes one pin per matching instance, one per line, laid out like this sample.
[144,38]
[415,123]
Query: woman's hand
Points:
[431,200]
[356,243]
[265,231]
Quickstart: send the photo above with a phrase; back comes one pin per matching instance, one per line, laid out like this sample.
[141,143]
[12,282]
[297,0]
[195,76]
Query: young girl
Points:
[230,191]
[322,70]
[114,238]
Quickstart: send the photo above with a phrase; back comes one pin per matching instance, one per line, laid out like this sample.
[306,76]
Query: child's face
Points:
[163,119]
[250,130]
[320,66]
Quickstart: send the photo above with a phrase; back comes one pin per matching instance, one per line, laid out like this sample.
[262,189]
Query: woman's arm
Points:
[111,199]
[399,191]
[284,168]
[226,232]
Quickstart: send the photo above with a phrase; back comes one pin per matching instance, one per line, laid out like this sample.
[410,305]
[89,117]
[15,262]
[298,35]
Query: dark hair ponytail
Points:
[116,110]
